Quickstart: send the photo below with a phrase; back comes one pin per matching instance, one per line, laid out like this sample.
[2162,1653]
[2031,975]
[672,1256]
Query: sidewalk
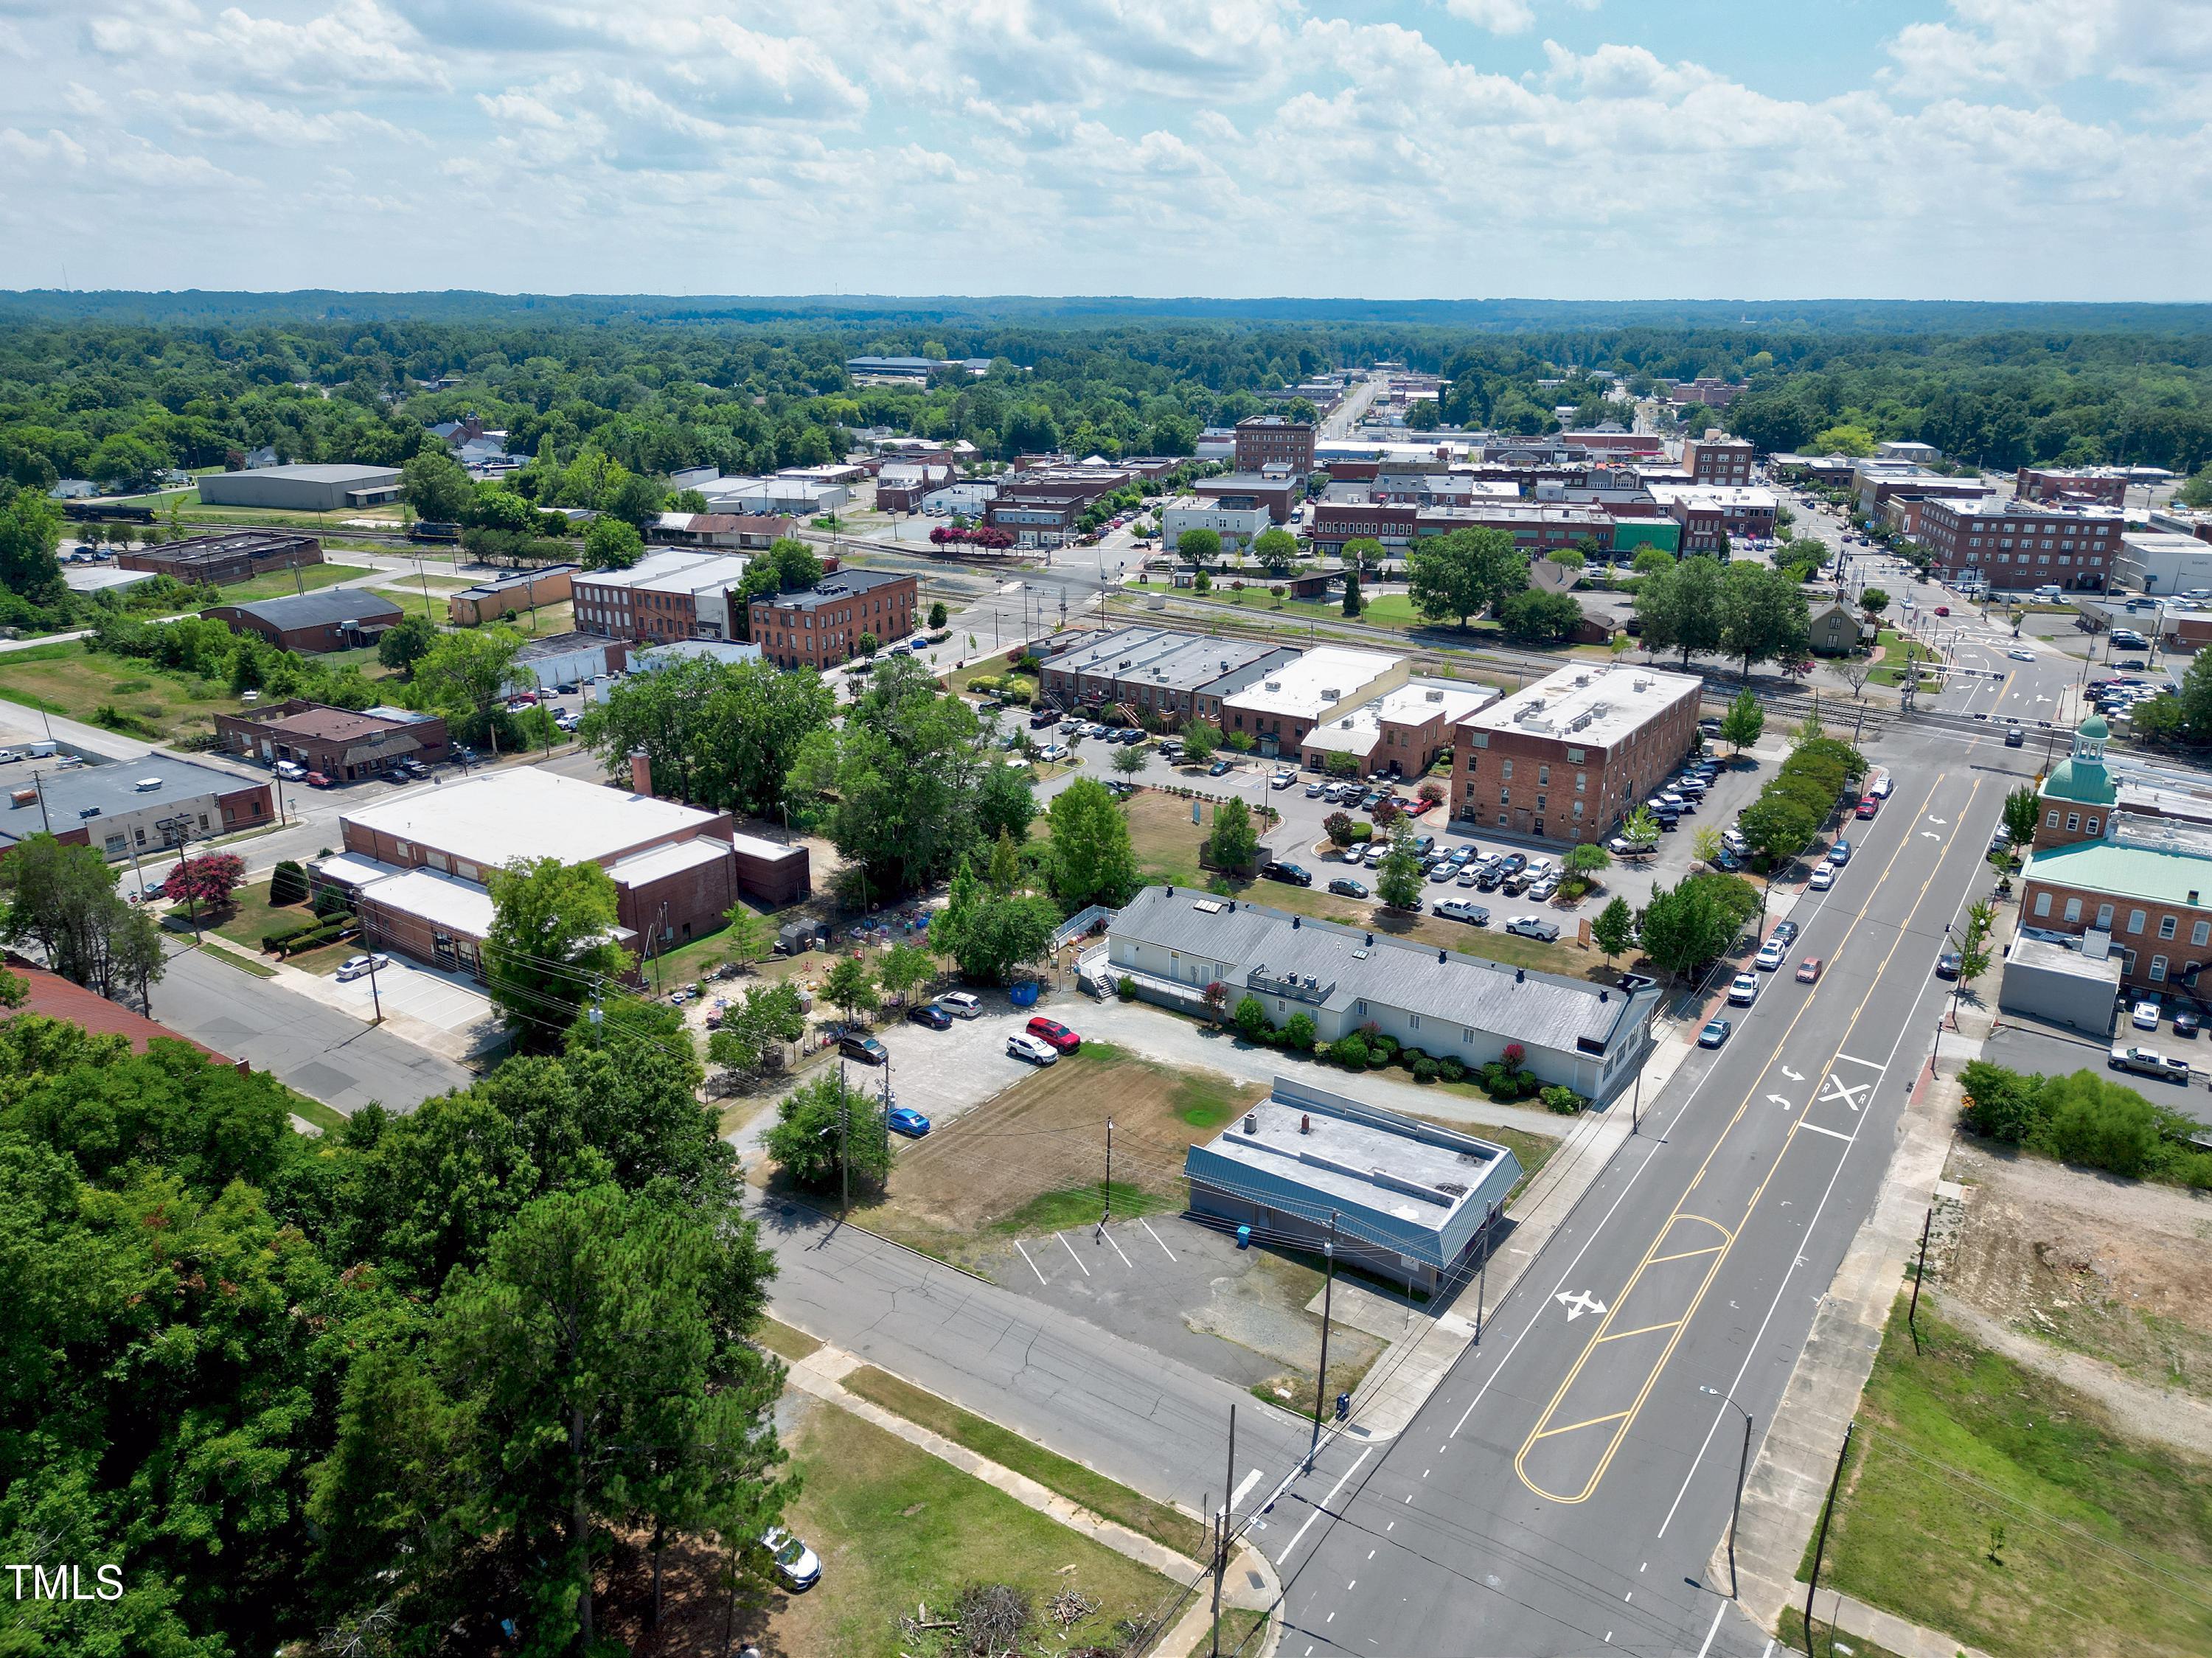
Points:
[1788,1482]
[1251,1581]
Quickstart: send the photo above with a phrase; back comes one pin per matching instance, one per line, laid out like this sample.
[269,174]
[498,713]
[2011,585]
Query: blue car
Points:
[905,1120]
[1840,854]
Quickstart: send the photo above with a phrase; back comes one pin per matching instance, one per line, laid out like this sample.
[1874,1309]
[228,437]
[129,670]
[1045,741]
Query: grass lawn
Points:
[282,584]
[1791,1629]
[326,1118]
[784,1341]
[1240,1626]
[145,701]
[1898,650]
[897,1529]
[251,916]
[230,958]
[1029,1160]
[1079,1484]
[2005,1510]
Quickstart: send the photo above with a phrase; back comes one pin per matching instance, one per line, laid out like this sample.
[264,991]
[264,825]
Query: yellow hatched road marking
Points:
[1683,1255]
[1641,1330]
[1600,1334]
[1590,1422]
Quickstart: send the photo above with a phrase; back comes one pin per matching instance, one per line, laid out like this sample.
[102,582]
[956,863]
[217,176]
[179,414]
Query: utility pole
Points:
[1106,1189]
[1913,1309]
[1482,1270]
[1221,1534]
[1820,1543]
[844,1156]
[1320,1378]
[375,1002]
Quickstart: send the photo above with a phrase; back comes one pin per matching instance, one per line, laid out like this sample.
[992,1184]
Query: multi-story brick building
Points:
[1176,676]
[823,625]
[2019,544]
[1276,492]
[1707,511]
[2106,485]
[1280,708]
[1570,756]
[671,593]
[1536,526]
[1716,458]
[1274,440]
[1400,732]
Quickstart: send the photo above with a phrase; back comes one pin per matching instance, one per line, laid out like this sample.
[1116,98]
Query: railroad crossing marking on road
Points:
[1578,1302]
[1838,1089]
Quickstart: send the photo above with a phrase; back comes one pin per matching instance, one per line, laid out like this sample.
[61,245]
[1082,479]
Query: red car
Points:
[1054,1032]
[316,780]
[1942,609]
[1869,806]
[1808,970]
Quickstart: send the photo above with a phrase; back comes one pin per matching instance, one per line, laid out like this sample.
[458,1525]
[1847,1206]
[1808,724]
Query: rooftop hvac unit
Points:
[1435,696]
[1274,684]
[147,785]
[1581,679]
[1643,685]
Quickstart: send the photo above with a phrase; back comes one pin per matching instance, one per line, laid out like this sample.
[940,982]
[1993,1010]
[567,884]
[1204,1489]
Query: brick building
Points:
[1707,511]
[671,593]
[2105,485]
[1274,441]
[144,806]
[822,626]
[1401,733]
[1573,755]
[1275,493]
[330,619]
[1536,526]
[518,590]
[1717,458]
[2016,545]
[1278,709]
[341,743]
[1179,677]
[225,556]
[416,867]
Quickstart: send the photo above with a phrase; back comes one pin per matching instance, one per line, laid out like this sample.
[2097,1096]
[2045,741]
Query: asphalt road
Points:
[321,1052]
[1563,1491]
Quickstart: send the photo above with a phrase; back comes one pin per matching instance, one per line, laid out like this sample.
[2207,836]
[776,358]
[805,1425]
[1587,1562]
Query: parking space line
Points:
[1147,1225]
[1117,1248]
[1033,1266]
[1072,1256]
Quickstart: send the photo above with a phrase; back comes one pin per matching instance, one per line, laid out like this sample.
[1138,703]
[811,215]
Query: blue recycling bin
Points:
[1243,1238]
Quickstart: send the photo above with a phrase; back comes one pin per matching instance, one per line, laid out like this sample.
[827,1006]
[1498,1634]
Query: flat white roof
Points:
[675,566]
[1711,495]
[1318,680]
[444,901]
[1417,700]
[670,860]
[1599,704]
[529,813]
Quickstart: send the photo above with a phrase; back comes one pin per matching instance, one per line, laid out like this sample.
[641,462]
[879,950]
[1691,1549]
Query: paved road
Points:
[1563,1491]
[1154,1424]
[321,1052]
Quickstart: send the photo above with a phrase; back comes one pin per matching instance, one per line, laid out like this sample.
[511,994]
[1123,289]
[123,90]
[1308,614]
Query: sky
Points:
[1997,149]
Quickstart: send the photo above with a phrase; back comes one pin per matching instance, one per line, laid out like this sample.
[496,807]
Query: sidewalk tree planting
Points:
[2022,810]
[1398,882]
[1745,720]
[208,880]
[1614,930]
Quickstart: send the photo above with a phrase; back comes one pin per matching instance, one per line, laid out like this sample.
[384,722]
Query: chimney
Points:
[1251,1122]
[641,773]
[1305,1123]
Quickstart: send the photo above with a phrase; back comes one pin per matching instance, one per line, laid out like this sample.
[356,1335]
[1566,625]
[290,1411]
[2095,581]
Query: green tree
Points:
[1005,803]
[1398,882]
[2023,809]
[992,936]
[1874,601]
[63,900]
[849,986]
[1462,572]
[1251,1019]
[1129,760]
[436,486]
[613,543]
[724,736]
[1089,859]
[1276,548]
[1764,616]
[824,1125]
[1354,604]
[1974,948]
[406,642]
[1587,859]
[551,948]
[1614,931]
[30,530]
[465,677]
[1652,561]
[1202,583]
[744,936]
[2195,697]
[1005,866]
[1362,551]
[1744,719]
[1680,609]
[1843,440]
[2197,492]
[1778,826]
[937,615]
[1199,740]
[1641,828]
[1234,843]
[1200,546]
[905,969]
[1537,618]
[1684,927]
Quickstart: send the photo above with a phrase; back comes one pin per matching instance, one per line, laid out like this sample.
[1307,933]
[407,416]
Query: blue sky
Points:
[1576,149]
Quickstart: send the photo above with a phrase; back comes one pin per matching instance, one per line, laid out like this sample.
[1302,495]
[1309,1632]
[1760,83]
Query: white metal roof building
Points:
[1280,708]
[301,489]
[1403,1197]
[1428,707]
[1173,942]
[525,812]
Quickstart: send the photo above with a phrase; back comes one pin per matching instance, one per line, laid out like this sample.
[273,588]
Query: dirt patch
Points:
[2119,1271]
[1001,1168]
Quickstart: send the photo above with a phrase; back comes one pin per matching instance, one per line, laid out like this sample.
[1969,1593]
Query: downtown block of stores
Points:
[2012,544]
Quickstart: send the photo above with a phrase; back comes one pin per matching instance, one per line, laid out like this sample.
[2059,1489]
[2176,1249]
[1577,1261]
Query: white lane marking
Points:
[1025,1256]
[1108,1236]
[1836,1089]
[1243,1486]
[1794,1076]
[1719,1612]
[1578,1303]
[1324,1503]
[1781,1289]
[1776,1099]
[1855,1059]
[1352,1585]
[1627,1185]
[1147,1225]
[1072,1256]
[1814,1127]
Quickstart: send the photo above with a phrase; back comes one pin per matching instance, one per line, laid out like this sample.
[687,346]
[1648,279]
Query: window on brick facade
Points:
[2200,933]
[2073,821]
[2074,912]
[2090,824]
[2158,970]
[2103,918]
[2166,927]
[2135,919]
[2043,904]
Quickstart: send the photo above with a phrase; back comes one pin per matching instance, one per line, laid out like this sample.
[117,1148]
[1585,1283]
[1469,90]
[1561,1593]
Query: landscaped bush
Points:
[1506,1083]
[1299,1033]
[1562,1099]
[330,901]
[1425,1070]
[287,884]
[289,937]
[1350,1052]
[1385,1047]
[2086,1118]
[1126,989]
[1410,1057]
[1362,833]
[1453,1071]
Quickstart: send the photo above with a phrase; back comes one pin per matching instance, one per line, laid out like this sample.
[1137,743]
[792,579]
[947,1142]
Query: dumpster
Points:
[1023,994]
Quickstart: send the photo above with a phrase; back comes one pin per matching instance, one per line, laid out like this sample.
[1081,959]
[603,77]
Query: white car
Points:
[1744,991]
[960,1004]
[1823,877]
[354,967]
[2145,1016]
[1772,955]
[799,1566]
[2021,656]
[1282,779]
[1023,1046]
[1052,751]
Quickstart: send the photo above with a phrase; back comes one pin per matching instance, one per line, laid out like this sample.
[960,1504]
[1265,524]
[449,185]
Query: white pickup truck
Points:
[2149,1062]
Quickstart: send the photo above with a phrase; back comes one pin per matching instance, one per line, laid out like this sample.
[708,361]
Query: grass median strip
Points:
[243,964]
[785,1342]
[1079,1484]
[1240,1626]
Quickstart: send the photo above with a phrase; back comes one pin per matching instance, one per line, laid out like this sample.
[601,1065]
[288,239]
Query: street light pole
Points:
[1321,1377]
[1742,1472]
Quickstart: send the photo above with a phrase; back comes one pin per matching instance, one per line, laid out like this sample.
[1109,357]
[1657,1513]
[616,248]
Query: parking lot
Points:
[451,1001]
[944,1073]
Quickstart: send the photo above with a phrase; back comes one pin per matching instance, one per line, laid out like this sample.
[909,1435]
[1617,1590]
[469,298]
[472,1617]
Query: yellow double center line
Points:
[1687,1247]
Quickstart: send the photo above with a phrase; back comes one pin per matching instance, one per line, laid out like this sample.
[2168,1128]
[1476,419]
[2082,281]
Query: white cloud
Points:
[355,46]
[235,115]
[1498,16]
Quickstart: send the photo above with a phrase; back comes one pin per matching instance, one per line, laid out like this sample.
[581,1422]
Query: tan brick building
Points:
[1274,441]
[1716,458]
[823,625]
[1570,756]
